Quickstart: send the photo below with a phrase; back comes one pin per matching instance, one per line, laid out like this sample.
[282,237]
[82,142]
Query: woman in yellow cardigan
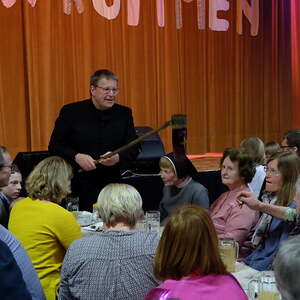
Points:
[44,228]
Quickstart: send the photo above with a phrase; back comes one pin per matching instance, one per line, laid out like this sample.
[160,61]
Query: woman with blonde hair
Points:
[255,147]
[115,264]
[43,227]
[188,261]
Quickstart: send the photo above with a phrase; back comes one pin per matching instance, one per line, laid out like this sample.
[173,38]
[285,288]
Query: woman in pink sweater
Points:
[188,260]
[231,220]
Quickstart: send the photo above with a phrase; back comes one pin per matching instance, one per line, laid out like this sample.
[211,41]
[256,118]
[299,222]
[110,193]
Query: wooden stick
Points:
[132,143]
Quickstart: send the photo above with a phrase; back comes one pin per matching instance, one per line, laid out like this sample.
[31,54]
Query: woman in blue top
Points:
[281,175]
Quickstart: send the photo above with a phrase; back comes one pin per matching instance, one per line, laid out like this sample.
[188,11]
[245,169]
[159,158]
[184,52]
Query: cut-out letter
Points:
[215,23]
[251,13]
[133,12]
[108,12]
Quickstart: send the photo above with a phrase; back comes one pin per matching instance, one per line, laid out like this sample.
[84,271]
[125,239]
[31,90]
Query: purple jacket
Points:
[208,287]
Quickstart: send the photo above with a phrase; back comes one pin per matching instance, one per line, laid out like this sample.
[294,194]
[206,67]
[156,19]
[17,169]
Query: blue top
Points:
[12,286]
[30,277]
[262,256]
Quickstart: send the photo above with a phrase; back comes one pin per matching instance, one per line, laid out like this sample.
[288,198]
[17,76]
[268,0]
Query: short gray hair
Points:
[287,267]
[119,203]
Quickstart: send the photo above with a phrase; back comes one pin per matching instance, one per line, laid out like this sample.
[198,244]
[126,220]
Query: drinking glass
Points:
[72,203]
[263,287]
[229,251]
[153,221]
[141,225]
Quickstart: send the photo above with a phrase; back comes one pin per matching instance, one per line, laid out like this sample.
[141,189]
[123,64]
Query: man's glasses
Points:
[114,91]
[271,171]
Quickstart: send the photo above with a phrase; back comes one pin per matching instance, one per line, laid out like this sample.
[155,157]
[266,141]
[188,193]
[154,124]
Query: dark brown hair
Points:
[189,243]
[244,160]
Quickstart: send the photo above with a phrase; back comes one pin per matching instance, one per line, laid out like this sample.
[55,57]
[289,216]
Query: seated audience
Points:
[29,275]
[281,175]
[43,227]
[118,263]
[5,170]
[180,187]
[188,260]
[255,147]
[12,285]
[270,149]
[13,189]
[286,269]
[230,219]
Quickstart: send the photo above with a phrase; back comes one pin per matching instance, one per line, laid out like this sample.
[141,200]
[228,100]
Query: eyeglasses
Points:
[271,171]
[10,166]
[114,91]
[286,147]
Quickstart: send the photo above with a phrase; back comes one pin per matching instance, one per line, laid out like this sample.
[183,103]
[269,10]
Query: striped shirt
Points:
[30,277]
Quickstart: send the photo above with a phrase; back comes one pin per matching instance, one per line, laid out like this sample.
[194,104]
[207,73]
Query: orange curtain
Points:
[230,86]
[295,32]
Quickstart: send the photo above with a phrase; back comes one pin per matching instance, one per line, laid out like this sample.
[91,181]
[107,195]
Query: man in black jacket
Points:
[87,129]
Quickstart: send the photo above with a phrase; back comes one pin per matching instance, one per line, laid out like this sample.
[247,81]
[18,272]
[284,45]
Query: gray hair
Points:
[287,267]
[256,149]
[2,151]
[119,203]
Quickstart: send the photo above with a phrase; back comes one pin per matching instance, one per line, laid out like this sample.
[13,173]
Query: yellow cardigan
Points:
[45,230]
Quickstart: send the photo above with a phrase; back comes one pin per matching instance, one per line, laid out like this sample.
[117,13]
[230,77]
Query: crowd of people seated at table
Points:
[48,257]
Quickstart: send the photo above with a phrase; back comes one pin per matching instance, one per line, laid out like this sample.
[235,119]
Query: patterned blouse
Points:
[114,265]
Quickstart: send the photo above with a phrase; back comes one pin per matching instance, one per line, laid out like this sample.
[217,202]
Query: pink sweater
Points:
[208,287]
[231,220]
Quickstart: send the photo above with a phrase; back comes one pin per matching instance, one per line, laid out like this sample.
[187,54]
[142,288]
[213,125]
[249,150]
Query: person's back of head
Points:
[271,148]
[50,180]
[188,244]
[255,147]
[119,203]
[287,268]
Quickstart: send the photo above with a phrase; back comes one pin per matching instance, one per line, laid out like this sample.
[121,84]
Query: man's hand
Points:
[249,199]
[110,161]
[86,162]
